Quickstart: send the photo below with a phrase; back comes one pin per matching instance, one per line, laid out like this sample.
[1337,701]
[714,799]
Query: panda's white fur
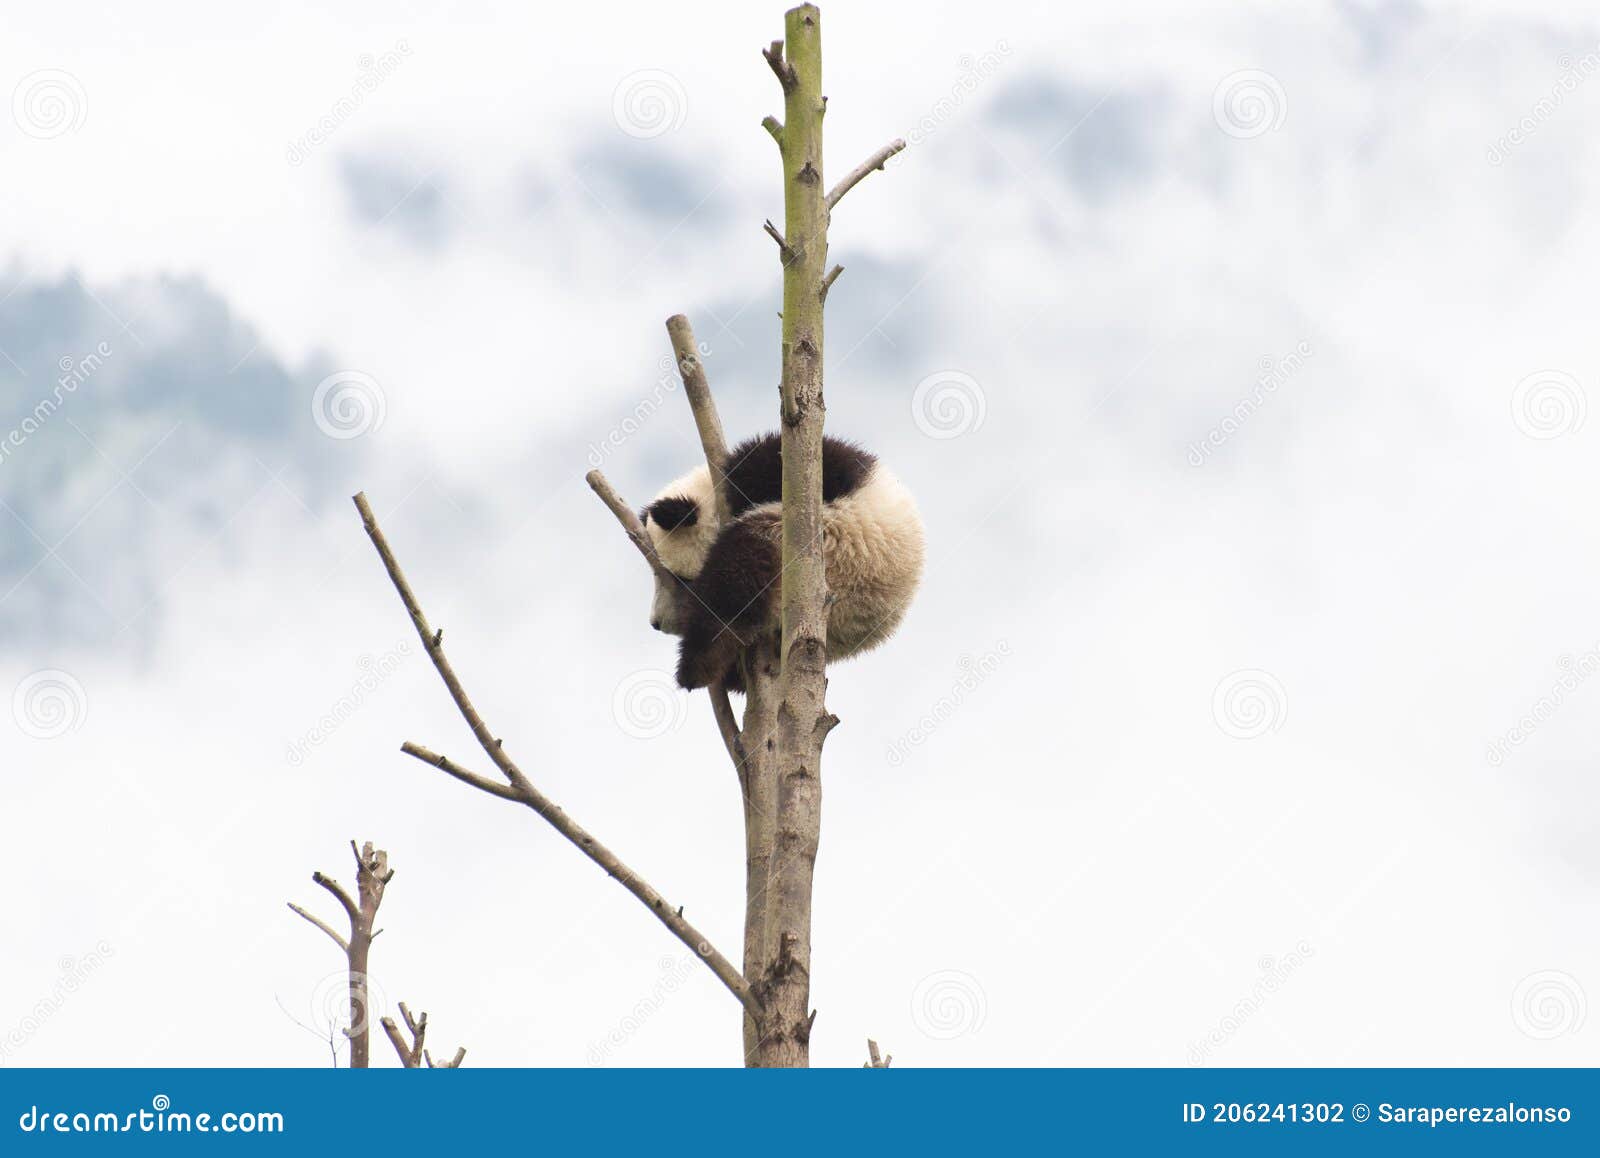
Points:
[728,589]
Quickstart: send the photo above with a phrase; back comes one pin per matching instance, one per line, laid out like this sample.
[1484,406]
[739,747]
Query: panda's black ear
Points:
[672,513]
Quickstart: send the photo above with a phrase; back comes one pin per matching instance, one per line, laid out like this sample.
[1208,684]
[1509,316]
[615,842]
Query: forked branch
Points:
[520,785]
[372,875]
[415,1054]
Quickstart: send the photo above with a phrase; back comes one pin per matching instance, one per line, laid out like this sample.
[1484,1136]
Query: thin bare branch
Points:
[400,1047]
[531,796]
[713,443]
[323,925]
[630,523]
[854,177]
[329,1038]
[775,127]
[334,887]
[729,727]
[784,251]
[780,68]
[445,764]
[827,282]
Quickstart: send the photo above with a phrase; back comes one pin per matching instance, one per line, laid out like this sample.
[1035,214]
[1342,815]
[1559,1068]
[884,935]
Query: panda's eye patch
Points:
[672,513]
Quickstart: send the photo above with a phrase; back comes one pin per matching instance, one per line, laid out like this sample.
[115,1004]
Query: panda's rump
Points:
[873,543]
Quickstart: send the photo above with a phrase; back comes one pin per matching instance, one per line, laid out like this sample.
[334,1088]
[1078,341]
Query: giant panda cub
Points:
[726,588]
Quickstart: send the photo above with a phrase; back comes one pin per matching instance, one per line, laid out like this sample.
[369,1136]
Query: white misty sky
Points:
[1171,763]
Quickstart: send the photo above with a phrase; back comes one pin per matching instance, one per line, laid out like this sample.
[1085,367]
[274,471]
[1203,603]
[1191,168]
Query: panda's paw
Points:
[702,662]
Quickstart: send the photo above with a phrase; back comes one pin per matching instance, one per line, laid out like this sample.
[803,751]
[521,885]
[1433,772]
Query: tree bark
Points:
[760,814]
[789,763]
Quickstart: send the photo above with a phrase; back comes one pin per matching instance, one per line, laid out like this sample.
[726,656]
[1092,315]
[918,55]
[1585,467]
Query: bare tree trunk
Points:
[786,718]
[789,765]
[372,874]
[760,813]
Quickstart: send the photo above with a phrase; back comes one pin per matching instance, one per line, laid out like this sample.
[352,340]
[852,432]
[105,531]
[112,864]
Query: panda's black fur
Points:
[725,606]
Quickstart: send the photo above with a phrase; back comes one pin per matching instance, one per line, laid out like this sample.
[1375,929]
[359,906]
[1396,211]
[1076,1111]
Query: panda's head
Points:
[679,523]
